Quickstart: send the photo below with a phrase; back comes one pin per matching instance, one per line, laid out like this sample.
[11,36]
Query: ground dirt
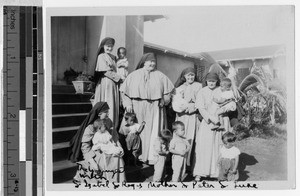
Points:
[262,159]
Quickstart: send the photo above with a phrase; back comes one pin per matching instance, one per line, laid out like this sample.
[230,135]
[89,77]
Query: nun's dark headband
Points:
[145,57]
[212,76]
[150,57]
[107,41]
[188,70]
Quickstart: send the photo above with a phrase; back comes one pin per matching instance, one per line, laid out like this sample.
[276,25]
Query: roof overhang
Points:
[152,18]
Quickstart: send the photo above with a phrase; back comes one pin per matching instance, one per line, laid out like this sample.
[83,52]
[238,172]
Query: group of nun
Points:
[147,92]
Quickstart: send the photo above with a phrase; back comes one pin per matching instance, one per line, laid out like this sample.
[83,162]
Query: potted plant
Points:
[70,75]
[83,84]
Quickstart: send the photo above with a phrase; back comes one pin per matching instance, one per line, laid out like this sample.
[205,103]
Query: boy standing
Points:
[179,147]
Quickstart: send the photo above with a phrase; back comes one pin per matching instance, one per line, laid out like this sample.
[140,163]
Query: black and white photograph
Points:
[147,98]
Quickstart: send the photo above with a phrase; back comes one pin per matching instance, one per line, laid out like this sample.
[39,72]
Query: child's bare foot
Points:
[197,178]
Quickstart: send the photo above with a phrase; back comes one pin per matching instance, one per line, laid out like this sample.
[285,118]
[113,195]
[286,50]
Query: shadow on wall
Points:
[245,160]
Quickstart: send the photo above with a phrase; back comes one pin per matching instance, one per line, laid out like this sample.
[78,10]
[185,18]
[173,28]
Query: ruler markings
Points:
[11,146]
[16,22]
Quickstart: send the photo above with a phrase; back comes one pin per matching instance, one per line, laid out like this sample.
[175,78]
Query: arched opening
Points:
[251,81]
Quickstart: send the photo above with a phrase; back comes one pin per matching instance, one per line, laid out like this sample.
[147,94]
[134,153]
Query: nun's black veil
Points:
[75,153]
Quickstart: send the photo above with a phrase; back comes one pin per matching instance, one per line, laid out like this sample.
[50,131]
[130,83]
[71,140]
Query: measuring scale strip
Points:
[11,82]
[22,32]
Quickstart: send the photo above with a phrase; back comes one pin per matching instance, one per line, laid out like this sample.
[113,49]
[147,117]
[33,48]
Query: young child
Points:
[102,139]
[179,104]
[179,147]
[161,150]
[132,131]
[228,158]
[122,63]
[226,103]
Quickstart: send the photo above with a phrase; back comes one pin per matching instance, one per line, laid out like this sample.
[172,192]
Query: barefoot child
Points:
[226,103]
[179,147]
[228,158]
[161,147]
[132,131]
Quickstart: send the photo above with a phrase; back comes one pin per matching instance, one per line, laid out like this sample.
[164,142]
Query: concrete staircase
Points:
[68,112]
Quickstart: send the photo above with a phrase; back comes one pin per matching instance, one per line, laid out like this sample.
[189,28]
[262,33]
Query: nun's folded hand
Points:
[191,108]
[121,153]
[161,103]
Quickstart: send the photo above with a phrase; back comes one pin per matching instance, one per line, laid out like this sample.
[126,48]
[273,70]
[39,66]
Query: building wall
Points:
[279,68]
[170,65]
[68,45]
[115,27]
[274,68]
[75,41]
[243,69]
[134,40]
[94,26]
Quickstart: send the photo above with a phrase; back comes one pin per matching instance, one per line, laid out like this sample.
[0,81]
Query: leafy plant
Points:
[70,75]
[265,117]
[84,77]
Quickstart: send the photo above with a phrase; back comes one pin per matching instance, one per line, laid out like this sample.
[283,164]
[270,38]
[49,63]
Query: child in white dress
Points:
[179,104]
[102,139]
[226,103]
[228,158]
[179,147]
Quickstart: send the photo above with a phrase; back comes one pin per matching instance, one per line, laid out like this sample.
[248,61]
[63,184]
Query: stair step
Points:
[71,108]
[67,120]
[64,136]
[61,145]
[60,153]
[69,115]
[63,89]
[63,171]
[63,129]
[70,98]
[75,103]
[60,165]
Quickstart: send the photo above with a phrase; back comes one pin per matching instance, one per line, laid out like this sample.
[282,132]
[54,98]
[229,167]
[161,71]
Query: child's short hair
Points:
[130,115]
[166,134]
[118,51]
[228,137]
[99,123]
[226,82]
[176,124]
